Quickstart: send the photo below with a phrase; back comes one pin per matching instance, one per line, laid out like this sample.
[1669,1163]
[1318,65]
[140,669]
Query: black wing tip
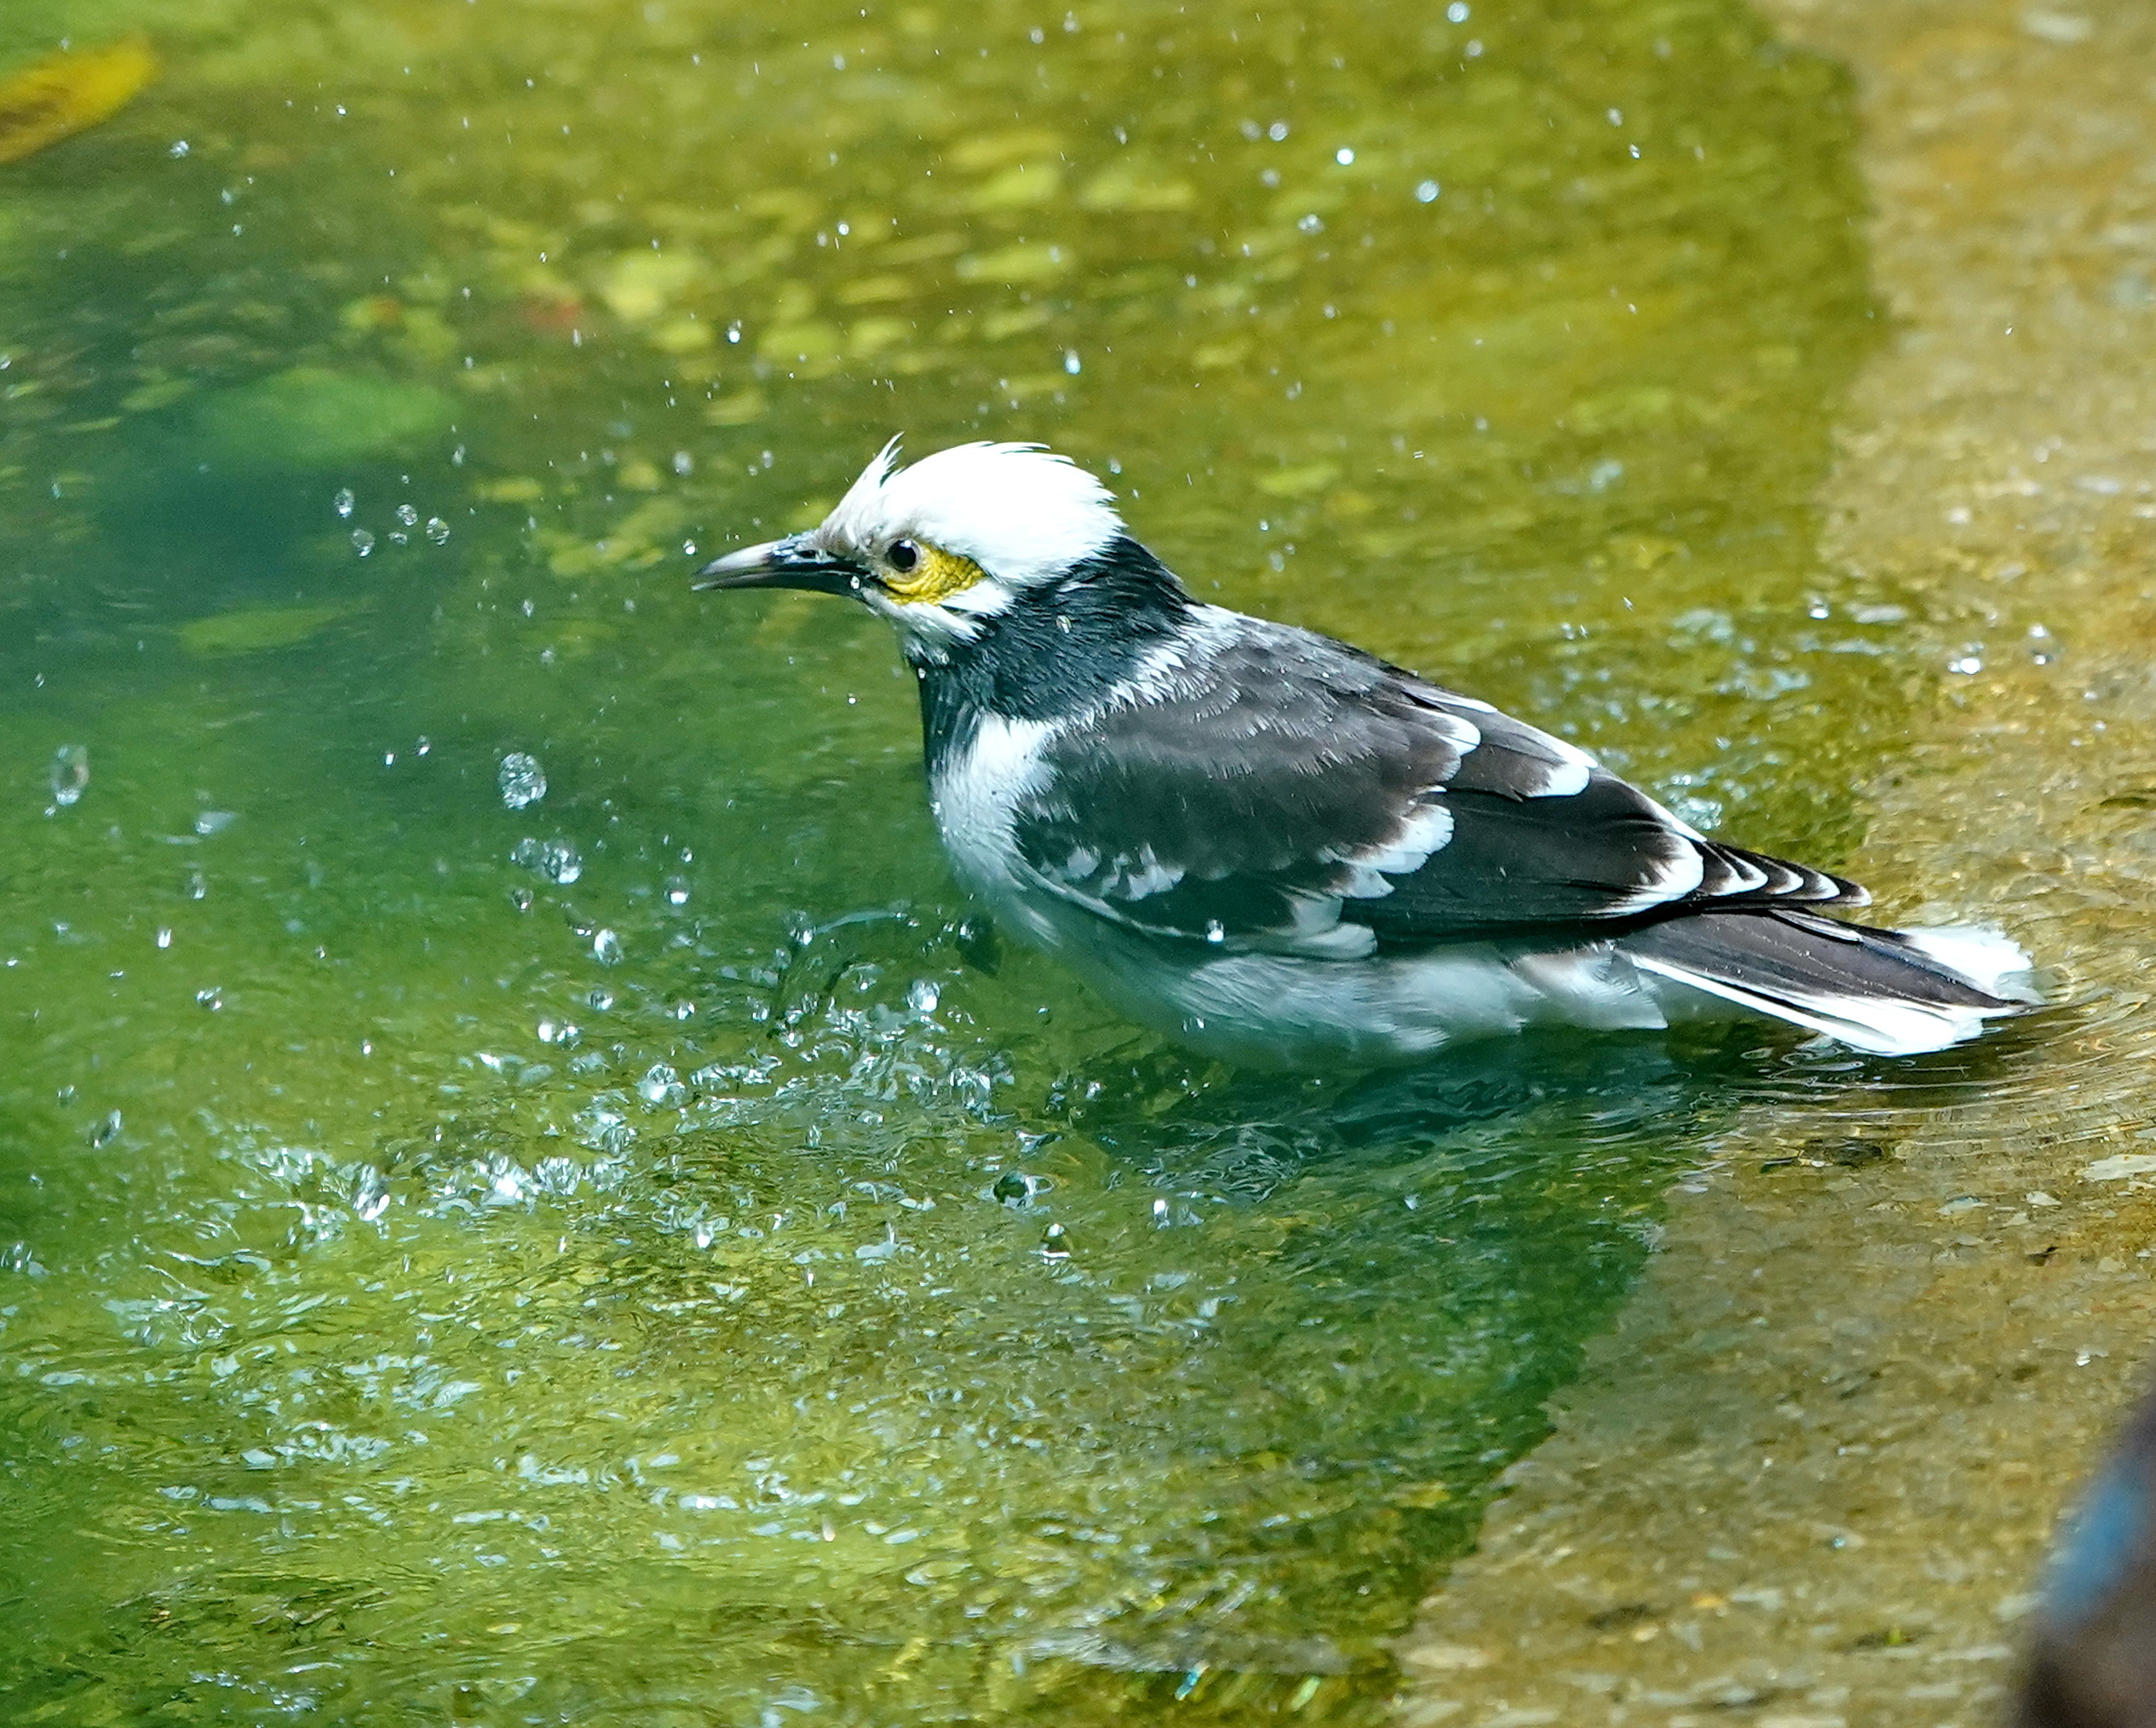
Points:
[1787,882]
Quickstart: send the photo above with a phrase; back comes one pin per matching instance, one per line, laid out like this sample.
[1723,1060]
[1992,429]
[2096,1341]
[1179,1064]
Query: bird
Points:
[1285,853]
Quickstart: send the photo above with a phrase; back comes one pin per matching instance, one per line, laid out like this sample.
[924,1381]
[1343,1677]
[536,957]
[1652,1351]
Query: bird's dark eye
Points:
[904,555]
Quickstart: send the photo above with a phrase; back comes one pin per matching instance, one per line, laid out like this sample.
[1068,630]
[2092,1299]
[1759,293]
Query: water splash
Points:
[557,860]
[70,774]
[521,780]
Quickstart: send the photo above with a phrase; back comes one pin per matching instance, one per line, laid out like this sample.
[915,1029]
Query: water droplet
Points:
[1426,191]
[344,501]
[1456,13]
[921,997]
[198,885]
[1161,1217]
[106,1131]
[165,936]
[1072,363]
[684,464]
[677,891]
[179,147]
[556,859]
[1276,131]
[407,515]
[1344,157]
[1016,1188]
[1311,224]
[521,899]
[1055,1243]
[523,782]
[606,948]
[212,998]
[438,530]
[69,773]
[599,1001]
[215,821]
[661,1085]
[362,542]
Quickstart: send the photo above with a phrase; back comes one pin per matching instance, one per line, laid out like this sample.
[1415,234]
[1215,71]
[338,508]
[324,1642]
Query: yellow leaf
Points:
[70,93]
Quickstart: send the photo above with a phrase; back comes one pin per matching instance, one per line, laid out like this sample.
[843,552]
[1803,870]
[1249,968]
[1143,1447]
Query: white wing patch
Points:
[1749,875]
[1421,837]
[1674,878]
[1463,735]
[1569,775]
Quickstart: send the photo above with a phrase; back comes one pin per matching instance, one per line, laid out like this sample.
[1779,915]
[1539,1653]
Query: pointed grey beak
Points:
[794,562]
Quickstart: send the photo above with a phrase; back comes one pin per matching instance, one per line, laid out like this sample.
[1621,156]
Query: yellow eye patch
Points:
[936,575]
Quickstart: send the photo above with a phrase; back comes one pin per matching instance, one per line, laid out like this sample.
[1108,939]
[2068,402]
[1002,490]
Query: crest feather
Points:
[1020,511]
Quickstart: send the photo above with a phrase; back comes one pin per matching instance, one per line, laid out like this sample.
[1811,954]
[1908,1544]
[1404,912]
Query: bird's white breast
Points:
[974,795]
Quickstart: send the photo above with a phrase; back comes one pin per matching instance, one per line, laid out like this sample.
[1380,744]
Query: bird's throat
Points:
[1061,648]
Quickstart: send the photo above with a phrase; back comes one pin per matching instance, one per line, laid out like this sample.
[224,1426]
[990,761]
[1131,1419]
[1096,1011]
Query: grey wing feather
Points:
[1285,791]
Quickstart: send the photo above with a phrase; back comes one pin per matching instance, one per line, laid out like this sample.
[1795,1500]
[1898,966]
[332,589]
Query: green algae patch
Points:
[257,628]
[311,417]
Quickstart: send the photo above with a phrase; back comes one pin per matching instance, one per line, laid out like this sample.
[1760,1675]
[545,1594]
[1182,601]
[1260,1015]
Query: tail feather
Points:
[1883,990]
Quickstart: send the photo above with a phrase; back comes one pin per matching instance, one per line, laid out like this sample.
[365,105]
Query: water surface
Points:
[644,1252]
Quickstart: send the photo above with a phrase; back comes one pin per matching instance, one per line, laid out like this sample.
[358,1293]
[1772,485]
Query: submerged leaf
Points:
[70,93]
[258,628]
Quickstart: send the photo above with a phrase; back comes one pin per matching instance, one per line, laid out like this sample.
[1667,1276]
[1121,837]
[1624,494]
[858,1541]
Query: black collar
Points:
[1059,648]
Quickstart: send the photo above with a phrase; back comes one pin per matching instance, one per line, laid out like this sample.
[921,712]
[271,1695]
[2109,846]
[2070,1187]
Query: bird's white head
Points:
[943,544]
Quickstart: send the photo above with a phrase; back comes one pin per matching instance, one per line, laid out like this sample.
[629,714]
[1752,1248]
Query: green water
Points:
[440,1290]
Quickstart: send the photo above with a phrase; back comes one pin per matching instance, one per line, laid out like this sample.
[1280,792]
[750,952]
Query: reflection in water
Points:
[525,1196]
